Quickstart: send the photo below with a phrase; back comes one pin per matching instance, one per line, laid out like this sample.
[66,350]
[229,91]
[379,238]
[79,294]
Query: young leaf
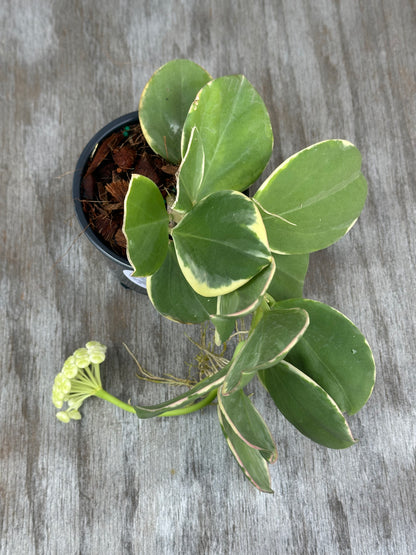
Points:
[287,282]
[146,226]
[270,341]
[313,198]
[235,131]
[247,298]
[250,460]
[202,389]
[307,406]
[335,354]
[191,173]
[247,423]
[221,243]
[172,295]
[165,102]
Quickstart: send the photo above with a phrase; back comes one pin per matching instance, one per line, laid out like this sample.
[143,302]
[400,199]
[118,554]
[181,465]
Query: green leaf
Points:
[287,282]
[270,341]
[172,295]
[146,226]
[191,173]
[335,354]
[247,423]
[247,298]
[224,327]
[165,102]
[307,406]
[235,132]
[221,243]
[313,198]
[202,389]
[250,460]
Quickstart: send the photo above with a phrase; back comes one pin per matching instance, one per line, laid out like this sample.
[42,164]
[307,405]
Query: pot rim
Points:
[131,117]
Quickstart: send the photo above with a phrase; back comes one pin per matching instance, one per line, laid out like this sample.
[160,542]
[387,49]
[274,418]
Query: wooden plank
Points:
[112,484]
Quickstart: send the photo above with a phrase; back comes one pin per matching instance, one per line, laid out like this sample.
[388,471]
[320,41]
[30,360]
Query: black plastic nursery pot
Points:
[118,264]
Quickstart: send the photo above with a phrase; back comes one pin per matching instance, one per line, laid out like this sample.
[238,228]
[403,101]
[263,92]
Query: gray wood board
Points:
[111,483]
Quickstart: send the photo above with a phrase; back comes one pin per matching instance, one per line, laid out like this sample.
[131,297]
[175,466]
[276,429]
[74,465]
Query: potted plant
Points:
[210,253]
[119,149]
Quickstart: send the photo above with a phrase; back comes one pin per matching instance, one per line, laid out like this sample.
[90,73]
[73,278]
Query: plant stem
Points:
[193,408]
[102,394]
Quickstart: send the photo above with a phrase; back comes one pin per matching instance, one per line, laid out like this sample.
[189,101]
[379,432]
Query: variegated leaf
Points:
[146,226]
[273,337]
[221,243]
[172,295]
[235,133]
[247,298]
[335,354]
[250,460]
[247,423]
[307,406]
[313,198]
[165,103]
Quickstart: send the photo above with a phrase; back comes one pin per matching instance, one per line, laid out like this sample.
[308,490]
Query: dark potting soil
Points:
[107,177]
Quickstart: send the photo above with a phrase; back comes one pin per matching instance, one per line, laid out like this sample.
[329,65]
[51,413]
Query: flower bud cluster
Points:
[78,379]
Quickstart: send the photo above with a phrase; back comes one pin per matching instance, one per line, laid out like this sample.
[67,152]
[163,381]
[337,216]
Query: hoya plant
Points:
[213,254]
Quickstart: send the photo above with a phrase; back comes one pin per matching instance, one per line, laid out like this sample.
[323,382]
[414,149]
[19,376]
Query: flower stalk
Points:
[80,378]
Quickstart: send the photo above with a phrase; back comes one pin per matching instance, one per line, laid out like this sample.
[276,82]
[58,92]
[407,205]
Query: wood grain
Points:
[111,484]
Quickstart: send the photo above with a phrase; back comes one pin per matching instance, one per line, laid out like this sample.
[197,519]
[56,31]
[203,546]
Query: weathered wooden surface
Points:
[112,484]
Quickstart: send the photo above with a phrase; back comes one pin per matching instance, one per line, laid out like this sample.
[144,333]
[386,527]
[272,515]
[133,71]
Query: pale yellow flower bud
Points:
[70,369]
[63,417]
[82,359]
[74,414]
[57,402]
[96,351]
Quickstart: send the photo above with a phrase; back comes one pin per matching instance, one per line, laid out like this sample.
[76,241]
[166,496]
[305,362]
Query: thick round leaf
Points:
[165,102]
[247,423]
[313,198]
[335,354]
[250,460]
[273,337]
[287,282]
[172,295]
[221,243]
[235,132]
[307,406]
[146,226]
[247,298]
